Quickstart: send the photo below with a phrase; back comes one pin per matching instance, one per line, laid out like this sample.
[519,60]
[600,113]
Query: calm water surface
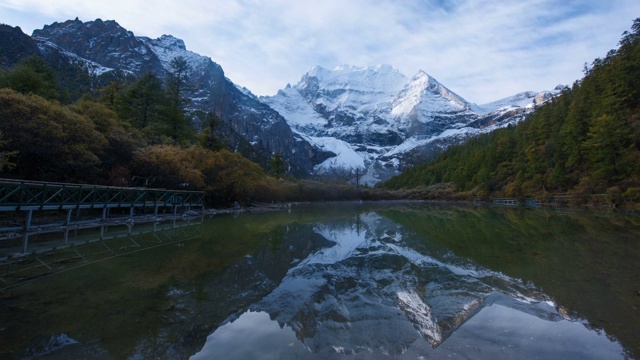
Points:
[354,281]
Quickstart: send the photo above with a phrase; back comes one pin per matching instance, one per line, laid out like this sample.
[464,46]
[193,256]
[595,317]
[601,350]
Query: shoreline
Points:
[11,225]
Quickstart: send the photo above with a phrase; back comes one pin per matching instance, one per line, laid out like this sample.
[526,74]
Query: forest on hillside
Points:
[139,132]
[585,141]
[134,132]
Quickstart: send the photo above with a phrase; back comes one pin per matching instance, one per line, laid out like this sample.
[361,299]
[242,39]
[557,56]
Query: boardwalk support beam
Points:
[29,196]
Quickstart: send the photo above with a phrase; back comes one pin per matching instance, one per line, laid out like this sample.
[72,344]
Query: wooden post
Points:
[27,223]
[68,221]
[25,243]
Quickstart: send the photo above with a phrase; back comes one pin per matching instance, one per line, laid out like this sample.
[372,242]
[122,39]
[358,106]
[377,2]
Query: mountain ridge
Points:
[373,132]
[248,125]
[362,124]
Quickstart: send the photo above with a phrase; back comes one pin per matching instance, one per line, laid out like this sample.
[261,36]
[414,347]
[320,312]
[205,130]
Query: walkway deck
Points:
[30,196]
[27,195]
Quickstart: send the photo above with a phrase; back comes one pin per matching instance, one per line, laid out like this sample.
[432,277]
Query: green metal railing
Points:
[27,195]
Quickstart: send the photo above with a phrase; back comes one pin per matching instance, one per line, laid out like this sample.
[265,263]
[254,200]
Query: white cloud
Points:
[482,50]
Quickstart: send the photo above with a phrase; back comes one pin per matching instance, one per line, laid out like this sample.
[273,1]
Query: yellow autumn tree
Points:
[52,142]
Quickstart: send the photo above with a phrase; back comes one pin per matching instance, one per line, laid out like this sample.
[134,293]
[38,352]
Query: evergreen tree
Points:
[109,94]
[208,138]
[32,76]
[586,140]
[141,101]
[177,123]
[607,141]
[277,164]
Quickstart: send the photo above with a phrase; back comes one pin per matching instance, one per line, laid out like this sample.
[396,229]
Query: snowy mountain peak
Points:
[421,74]
[431,84]
[104,42]
[371,121]
[422,82]
[378,69]
[348,77]
[351,90]
[170,42]
[423,94]
[525,100]
[377,121]
[167,48]
[316,71]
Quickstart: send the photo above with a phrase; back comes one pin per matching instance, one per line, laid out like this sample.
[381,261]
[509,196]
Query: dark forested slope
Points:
[585,141]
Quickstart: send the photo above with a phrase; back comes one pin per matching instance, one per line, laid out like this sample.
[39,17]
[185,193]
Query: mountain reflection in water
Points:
[370,287]
[357,281]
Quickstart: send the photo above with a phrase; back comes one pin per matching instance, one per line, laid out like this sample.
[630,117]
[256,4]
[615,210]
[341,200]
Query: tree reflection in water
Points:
[365,281]
[373,287]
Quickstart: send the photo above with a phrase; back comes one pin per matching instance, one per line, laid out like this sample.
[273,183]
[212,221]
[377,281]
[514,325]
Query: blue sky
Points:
[482,50]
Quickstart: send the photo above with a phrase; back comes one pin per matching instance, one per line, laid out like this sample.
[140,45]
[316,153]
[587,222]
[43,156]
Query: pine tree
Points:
[33,76]
[277,164]
[607,141]
[141,101]
[176,121]
[208,138]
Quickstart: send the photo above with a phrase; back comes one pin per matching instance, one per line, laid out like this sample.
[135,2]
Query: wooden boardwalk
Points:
[29,196]
[506,202]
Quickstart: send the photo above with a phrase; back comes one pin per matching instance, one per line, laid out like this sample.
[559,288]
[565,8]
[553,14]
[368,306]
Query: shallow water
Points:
[361,281]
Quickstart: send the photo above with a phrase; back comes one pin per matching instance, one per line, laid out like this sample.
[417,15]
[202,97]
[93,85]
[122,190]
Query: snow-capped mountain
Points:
[425,100]
[527,100]
[361,124]
[103,51]
[377,121]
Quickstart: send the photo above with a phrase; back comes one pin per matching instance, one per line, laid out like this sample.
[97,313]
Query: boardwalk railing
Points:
[593,200]
[24,195]
[30,196]
[506,202]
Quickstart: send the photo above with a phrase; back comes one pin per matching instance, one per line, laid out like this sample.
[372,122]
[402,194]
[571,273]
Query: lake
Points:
[331,281]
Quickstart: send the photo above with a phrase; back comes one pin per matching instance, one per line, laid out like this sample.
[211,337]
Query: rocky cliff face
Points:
[249,125]
[104,42]
[14,46]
